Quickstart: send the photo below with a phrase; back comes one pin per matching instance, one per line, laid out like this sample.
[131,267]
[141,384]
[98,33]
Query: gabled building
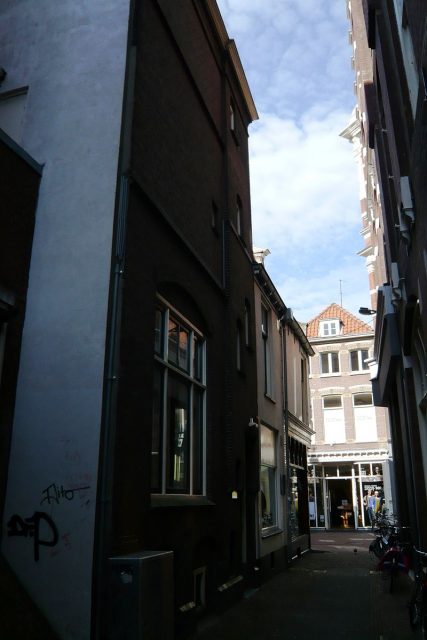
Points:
[127,508]
[350,454]
[392,112]
[283,353]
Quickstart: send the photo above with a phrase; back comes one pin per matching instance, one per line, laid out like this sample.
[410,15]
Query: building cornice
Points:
[356,455]
[230,46]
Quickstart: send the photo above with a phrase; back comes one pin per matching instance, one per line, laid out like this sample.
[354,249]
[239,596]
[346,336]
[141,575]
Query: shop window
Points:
[179,392]
[268,478]
[329,362]
[358,359]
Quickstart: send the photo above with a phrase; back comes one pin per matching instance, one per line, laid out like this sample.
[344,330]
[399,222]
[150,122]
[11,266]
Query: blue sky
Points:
[304,189]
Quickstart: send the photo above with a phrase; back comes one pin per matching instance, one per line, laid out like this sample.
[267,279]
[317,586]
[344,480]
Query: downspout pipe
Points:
[287,470]
[103,533]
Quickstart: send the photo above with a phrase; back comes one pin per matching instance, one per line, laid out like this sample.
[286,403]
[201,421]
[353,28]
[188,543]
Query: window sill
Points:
[355,373]
[331,375]
[271,531]
[179,500]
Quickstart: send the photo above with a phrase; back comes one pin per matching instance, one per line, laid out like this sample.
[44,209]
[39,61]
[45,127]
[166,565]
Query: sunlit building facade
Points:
[350,453]
[390,59]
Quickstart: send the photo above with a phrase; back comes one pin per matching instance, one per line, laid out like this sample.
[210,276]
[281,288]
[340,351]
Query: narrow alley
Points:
[332,592]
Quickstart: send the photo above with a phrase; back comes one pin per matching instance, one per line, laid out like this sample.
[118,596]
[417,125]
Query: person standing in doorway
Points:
[372,504]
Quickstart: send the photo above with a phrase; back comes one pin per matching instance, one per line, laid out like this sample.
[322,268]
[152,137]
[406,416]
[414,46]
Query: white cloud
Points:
[308,292]
[303,182]
[305,204]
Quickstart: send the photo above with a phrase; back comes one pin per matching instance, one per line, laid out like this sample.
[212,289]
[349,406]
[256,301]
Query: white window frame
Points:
[329,355]
[339,434]
[365,425]
[193,381]
[329,328]
[360,360]
[362,393]
[332,395]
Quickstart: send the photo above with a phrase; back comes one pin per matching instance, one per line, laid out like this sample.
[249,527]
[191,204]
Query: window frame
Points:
[329,328]
[232,117]
[192,380]
[272,478]
[362,393]
[332,395]
[267,355]
[360,360]
[329,355]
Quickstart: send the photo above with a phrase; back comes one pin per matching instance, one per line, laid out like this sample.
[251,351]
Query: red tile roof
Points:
[349,323]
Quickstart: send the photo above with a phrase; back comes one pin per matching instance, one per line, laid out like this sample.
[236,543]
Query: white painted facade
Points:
[72,57]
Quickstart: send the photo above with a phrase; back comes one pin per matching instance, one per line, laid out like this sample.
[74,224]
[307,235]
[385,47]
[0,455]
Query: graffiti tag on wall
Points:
[31,528]
[54,493]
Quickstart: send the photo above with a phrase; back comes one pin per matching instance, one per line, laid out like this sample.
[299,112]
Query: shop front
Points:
[298,516]
[345,495]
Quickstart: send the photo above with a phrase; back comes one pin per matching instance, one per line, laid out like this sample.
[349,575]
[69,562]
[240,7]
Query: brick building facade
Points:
[350,452]
[392,114]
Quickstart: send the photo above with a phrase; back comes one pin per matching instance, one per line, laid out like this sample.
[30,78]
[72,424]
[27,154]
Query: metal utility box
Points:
[142,596]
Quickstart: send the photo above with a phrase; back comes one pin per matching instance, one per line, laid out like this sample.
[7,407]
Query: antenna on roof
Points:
[340,294]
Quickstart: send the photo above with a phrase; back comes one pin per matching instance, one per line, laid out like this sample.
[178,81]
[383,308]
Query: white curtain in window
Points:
[365,424]
[334,425]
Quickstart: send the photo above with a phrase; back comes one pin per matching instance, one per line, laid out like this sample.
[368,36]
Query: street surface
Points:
[331,592]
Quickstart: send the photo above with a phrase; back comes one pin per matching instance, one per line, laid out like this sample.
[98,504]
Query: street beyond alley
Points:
[332,592]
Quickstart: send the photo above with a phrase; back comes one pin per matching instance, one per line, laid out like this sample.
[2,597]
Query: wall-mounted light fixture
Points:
[364,311]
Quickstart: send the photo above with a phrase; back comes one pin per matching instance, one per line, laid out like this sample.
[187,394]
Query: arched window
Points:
[179,397]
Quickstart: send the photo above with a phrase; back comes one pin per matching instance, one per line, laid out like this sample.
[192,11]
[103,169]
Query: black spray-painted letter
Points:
[30,528]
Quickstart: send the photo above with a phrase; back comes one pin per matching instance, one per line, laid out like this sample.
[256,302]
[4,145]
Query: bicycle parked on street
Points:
[391,548]
[384,526]
[418,602]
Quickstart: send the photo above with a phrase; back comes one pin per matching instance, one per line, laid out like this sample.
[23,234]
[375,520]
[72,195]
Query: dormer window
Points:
[329,328]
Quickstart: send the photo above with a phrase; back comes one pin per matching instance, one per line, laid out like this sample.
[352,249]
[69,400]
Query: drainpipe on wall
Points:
[287,470]
[103,527]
